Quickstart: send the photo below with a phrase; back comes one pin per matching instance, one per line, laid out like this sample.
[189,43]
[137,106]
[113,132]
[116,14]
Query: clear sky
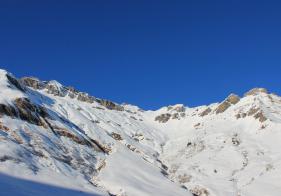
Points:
[146,52]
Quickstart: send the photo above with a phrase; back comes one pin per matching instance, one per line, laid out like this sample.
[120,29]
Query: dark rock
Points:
[9,158]
[240,115]
[260,116]
[15,82]
[176,116]
[33,82]
[116,136]
[132,148]
[163,118]
[55,89]
[110,105]
[84,97]
[25,110]
[30,112]
[252,111]
[205,112]
[179,109]
[8,110]
[132,117]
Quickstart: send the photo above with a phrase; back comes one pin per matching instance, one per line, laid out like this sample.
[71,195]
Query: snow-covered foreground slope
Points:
[21,187]
[55,137]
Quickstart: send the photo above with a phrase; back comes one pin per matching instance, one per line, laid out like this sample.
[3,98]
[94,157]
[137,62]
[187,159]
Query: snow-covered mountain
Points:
[55,140]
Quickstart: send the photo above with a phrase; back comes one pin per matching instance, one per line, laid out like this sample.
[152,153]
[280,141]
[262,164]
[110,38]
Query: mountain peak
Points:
[256,91]
[3,72]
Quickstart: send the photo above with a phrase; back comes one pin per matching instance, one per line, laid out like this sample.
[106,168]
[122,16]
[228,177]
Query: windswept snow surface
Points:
[57,138]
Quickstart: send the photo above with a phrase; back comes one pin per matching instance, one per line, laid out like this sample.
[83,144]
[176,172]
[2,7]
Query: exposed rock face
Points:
[33,82]
[8,110]
[222,107]
[205,112]
[56,89]
[199,191]
[163,118]
[138,137]
[256,112]
[116,136]
[255,91]
[240,115]
[110,105]
[179,109]
[30,112]
[176,108]
[230,100]
[260,116]
[176,116]
[3,127]
[233,99]
[72,92]
[174,112]
[85,98]
[25,110]
[15,82]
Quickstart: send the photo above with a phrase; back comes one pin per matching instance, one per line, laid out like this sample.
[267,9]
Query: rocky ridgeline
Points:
[173,112]
[232,99]
[256,91]
[178,111]
[56,89]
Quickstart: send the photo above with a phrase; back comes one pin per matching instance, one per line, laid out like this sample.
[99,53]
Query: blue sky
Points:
[149,53]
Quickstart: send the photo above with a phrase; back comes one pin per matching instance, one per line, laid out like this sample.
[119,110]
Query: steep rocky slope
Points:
[59,136]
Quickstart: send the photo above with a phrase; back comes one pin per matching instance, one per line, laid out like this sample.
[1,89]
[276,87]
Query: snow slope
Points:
[64,139]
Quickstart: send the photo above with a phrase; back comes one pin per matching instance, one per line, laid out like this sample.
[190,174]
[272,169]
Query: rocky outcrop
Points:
[116,136]
[256,112]
[84,97]
[176,108]
[260,116]
[179,108]
[56,89]
[3,127]
[33,82]
[25,110]
[240,115]
[256,91]
[110,105]
[13,81]
[53,87]
[138,137]
[30,112]
[232,99]
[8,110]
[163,118]
[199,191]
[176,116]
[205,112]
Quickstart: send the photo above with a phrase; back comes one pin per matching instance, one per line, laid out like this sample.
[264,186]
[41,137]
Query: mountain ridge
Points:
[56,133]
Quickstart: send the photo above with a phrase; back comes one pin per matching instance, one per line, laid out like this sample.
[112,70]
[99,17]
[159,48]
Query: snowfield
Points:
[55,140]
